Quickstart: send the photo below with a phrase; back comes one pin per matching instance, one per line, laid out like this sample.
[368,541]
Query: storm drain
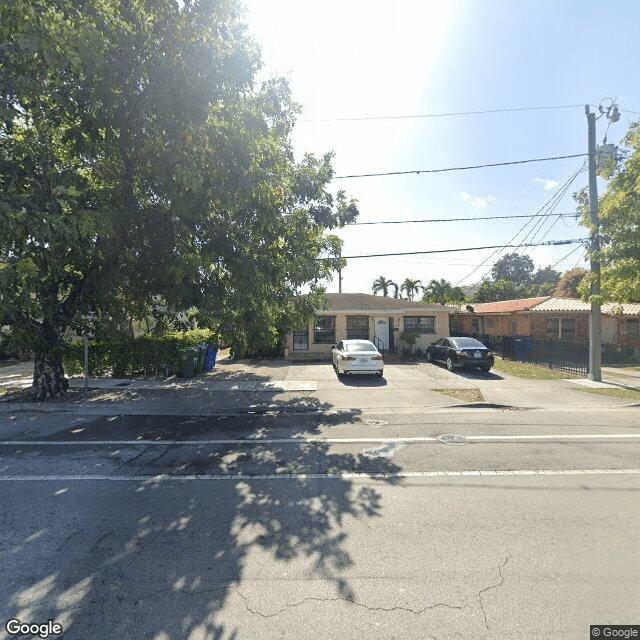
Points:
[452,438]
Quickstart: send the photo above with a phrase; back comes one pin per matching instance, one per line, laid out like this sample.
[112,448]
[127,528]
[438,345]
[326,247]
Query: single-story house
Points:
[627,318]
[547,317]
[363,316]
[568,318]
[503,318]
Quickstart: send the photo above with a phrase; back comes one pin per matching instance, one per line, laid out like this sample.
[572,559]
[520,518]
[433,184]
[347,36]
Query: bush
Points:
[128,357]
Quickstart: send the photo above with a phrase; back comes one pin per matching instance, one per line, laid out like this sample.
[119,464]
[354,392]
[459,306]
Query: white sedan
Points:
[357,356]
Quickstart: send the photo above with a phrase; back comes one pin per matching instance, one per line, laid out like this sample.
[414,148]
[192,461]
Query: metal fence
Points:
[620,354]
[565,355]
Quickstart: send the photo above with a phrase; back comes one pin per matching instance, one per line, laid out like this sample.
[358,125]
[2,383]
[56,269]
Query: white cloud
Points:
[476,202]
[547,185]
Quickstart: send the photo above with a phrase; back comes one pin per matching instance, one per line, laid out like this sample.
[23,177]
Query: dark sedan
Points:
[460,352]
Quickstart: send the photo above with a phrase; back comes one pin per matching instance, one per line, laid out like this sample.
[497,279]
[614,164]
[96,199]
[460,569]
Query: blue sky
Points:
[370,58]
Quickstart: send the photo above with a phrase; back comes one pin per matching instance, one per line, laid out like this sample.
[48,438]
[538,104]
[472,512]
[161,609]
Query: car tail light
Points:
[376,357]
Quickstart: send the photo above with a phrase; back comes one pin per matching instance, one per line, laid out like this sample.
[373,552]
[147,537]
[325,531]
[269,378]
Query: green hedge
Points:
[128,357]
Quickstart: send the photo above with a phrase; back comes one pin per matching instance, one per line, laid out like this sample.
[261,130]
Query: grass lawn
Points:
[617,393]
[531,371]
[466,395]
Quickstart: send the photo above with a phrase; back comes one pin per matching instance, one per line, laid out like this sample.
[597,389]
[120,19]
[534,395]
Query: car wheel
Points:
[485,369]
[379,374]
[429,357]
[449,364]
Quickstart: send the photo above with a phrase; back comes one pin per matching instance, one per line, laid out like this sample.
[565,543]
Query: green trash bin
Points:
[200,356]
[187,363]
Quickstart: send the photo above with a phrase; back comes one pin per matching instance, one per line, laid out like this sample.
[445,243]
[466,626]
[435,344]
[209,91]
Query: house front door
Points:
[382,331]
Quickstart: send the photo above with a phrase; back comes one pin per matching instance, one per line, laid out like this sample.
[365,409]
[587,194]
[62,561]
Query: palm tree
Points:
[442,291]
[410,287]
[382,284]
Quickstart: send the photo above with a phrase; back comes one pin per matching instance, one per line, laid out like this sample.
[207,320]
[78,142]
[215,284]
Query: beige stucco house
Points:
[377,318]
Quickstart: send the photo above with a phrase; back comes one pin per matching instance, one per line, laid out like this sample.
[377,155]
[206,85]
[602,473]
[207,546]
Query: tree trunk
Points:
[48,377]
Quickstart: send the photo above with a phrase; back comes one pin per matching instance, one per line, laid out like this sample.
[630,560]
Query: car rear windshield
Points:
[467,343]
[360,346]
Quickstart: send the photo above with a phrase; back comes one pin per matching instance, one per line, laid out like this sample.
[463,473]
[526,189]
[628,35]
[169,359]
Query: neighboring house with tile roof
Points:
[377,318]
[502,318]
[568,319]
[627,318]
[563,318]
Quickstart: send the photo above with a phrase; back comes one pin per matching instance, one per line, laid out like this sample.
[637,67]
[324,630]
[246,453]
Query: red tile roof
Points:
[506,306]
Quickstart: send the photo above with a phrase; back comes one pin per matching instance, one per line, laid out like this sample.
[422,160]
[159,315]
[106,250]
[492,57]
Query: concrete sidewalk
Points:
[258,386]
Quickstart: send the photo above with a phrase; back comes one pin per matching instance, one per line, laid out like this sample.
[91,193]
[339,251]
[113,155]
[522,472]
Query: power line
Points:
[565,257]
[559,215]
[553,201]
[477,166]
[415,253]
[440,115]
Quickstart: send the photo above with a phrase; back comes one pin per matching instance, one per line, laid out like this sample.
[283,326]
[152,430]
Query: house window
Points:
[301,340]
[567,328]
[420,324]
[633,329]
[564,328]
[325,330]
[357,327]
[490,323]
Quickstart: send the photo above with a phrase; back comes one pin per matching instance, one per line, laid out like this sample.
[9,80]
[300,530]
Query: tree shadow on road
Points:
[213,541]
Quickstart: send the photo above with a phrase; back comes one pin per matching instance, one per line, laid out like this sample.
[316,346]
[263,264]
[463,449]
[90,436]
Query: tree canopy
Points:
[382,285]
[140,166]
[619,213]
[567,286]
[513,267]
[441,291]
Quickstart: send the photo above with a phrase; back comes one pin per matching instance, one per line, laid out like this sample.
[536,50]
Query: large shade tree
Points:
[138,163]
[619,213]
[513,267]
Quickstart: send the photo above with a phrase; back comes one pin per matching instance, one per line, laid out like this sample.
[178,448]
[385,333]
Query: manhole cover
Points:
[452,438]
[377,423]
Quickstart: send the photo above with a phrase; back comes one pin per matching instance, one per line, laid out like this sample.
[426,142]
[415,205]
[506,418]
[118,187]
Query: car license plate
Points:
[477,354]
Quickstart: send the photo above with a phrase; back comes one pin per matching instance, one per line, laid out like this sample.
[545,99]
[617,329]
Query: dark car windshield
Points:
[359,346]
[467,343]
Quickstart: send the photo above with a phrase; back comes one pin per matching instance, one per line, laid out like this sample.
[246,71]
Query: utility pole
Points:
[340,271]
[595,327]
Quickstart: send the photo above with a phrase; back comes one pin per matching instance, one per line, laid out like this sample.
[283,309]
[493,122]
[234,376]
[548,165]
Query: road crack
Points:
[490,588]
[416,612]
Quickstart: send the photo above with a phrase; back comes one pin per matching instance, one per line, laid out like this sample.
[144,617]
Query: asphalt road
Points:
[515,524]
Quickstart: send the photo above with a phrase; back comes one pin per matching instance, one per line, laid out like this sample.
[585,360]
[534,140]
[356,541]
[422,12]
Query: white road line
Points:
[321,476]
[575,436]
[310,440]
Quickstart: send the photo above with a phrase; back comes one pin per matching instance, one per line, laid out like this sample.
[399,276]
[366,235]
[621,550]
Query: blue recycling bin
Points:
[210,361]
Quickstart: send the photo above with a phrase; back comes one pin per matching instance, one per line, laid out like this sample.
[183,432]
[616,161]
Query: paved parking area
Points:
[237,386]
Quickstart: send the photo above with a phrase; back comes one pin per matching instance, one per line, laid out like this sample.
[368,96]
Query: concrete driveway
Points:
[406,387]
